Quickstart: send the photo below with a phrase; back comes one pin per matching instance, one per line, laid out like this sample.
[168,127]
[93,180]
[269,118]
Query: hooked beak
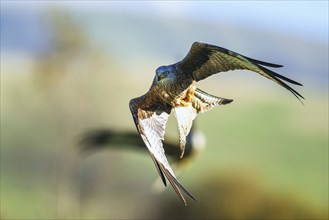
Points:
[160,76]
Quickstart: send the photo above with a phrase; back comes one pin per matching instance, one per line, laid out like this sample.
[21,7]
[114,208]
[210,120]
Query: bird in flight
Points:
[173,88]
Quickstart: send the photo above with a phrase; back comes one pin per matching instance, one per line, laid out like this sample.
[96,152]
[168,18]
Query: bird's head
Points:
[165,74]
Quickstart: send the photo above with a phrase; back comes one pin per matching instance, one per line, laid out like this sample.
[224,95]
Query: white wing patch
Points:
[153,129]
[151,122]
[184,117]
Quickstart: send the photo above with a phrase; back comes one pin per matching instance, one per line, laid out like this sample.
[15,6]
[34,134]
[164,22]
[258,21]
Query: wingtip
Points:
[176,185]
[160,170]
[273,65]
[226,101]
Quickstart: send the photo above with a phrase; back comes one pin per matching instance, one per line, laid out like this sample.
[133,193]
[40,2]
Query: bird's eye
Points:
[162,75]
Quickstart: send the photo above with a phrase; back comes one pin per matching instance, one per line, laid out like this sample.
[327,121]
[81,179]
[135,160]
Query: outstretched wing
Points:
[186,114]
[150,118]
[204,60]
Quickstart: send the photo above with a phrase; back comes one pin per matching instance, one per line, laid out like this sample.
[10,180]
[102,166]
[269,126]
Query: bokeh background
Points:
[70,67]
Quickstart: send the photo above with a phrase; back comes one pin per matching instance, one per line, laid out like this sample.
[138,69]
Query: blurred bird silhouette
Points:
[101,139]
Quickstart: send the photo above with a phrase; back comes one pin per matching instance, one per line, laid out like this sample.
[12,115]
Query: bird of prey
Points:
[173,88]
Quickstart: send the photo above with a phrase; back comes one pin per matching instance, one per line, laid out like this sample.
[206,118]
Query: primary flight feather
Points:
[173,88]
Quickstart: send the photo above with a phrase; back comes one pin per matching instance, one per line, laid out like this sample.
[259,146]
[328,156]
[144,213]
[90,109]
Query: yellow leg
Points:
[184,103]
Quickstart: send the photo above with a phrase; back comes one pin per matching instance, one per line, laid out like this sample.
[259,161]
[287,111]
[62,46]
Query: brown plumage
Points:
[174,88]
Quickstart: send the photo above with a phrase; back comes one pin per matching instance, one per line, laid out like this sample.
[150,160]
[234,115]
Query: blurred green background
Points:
[68,67]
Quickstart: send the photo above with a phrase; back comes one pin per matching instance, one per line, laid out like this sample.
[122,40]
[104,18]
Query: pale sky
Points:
[307,18]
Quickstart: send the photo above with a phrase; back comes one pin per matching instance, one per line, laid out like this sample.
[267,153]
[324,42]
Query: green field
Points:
[274,145]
